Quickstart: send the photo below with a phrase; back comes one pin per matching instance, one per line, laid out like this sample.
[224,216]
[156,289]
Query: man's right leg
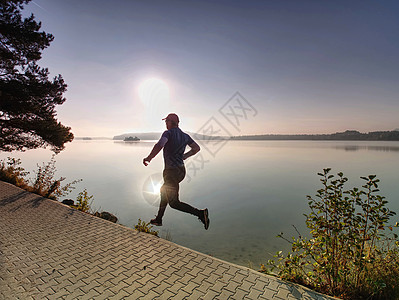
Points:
[165,195]
[170,195]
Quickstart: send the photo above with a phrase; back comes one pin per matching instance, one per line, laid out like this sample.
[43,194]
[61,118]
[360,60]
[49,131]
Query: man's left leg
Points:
[175,203]
[170,194]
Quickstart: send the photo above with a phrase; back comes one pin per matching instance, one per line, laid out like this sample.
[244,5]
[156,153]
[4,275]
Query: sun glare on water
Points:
[156,188]
[152,189]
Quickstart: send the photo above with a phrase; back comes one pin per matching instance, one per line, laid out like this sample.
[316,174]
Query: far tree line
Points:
[349,135]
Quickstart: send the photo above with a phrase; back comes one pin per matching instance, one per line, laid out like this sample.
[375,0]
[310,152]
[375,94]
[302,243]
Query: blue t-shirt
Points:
[175,146]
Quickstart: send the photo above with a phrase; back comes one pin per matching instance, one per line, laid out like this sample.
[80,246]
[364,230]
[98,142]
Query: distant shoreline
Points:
[349,135]
[92,138]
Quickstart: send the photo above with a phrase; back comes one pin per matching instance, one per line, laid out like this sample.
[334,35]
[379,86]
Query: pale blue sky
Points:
[305,66]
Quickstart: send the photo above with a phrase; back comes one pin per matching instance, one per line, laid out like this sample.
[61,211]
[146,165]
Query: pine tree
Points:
[27,96]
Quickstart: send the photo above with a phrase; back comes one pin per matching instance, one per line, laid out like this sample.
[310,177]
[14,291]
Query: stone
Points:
[107,216]
[69,202]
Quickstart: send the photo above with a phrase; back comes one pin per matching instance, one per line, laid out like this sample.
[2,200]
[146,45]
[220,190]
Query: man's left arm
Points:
[194,149]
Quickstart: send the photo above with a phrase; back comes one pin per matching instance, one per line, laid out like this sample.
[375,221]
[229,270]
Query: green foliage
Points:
[145,227]
[27,96]
[83,201]
[12,172]
[352,251]
[43,184]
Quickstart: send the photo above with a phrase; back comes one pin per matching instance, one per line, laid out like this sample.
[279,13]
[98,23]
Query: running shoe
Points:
[156,222]
[204,218]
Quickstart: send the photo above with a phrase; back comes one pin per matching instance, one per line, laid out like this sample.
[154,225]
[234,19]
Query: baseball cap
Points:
[172,117]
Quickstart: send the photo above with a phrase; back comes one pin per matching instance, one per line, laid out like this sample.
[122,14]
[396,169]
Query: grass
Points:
[142,226]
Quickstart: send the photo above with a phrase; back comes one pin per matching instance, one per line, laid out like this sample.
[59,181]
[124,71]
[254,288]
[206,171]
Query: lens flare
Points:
[152,189]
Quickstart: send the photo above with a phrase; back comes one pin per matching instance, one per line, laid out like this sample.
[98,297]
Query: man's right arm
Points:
[155,150]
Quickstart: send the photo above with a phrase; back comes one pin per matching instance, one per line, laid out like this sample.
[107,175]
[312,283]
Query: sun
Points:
[153,91]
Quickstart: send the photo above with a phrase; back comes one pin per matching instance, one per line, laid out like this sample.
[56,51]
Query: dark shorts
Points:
[170,192]
[173,176]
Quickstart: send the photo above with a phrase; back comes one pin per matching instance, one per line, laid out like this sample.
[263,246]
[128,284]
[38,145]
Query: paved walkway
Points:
[50,251]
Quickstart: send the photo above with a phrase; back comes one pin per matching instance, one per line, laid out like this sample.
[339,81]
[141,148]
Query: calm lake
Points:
[253,189]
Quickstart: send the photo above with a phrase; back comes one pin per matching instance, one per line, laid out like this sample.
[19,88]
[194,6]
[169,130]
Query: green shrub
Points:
[43,184]
[145,227]
[12,172]
[352,251]
[83,201]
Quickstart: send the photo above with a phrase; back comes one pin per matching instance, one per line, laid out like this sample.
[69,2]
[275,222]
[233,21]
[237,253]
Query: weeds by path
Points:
[43,184]
[353,251]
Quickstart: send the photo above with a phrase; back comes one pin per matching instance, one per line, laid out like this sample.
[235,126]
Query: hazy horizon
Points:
[303,67]
[160,132]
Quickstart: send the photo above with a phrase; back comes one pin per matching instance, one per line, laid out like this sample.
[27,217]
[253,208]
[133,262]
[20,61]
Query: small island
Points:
[131,139]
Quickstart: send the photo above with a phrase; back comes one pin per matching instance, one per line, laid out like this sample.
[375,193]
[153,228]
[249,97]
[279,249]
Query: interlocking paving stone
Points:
[51,251]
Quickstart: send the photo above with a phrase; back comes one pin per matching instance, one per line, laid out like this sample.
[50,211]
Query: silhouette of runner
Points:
[174,142]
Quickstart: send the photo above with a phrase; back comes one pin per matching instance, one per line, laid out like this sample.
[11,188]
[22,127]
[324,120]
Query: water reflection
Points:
[368,148]
[146,143]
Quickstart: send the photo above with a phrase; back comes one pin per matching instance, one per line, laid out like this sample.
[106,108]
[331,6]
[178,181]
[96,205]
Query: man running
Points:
[174,142]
